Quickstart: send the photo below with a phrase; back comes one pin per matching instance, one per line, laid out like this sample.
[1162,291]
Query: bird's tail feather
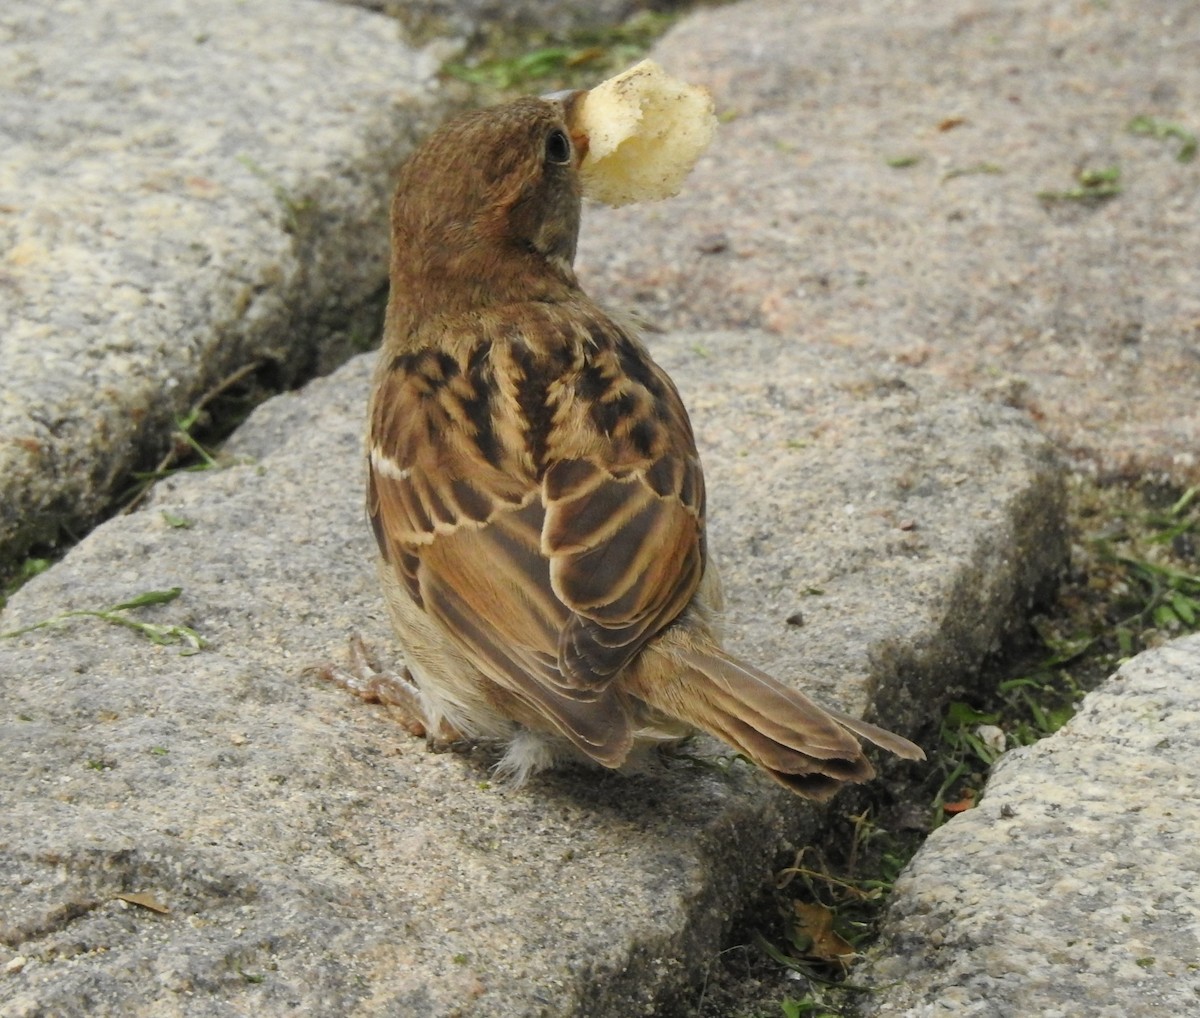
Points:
[810,749]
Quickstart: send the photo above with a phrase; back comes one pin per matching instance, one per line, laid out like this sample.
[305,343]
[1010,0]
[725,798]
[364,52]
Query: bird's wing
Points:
[624,497]
[534,483]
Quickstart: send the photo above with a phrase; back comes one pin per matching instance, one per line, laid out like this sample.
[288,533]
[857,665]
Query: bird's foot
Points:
[367,679]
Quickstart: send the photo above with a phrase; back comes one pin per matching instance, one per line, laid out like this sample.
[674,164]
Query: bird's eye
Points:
[558,147]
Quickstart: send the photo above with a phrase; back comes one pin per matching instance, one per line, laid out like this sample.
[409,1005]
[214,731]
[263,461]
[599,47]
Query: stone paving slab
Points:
[875,184]
[1073,889]
[317,860]
[483,19]
[185,188]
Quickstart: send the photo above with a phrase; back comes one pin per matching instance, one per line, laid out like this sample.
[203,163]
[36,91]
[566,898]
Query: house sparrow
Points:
[536,494]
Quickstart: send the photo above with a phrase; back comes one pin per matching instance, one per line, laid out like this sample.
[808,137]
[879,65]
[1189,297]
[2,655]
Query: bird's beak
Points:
[571,100]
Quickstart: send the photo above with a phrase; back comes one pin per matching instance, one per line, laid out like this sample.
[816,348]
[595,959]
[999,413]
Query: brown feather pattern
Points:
[614,551]
[534,486]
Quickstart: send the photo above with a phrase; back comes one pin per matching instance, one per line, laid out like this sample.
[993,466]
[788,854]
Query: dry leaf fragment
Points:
[965,803]
[146,901]
[816,923]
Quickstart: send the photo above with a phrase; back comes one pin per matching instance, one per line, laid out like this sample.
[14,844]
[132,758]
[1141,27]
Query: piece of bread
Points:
[645,131]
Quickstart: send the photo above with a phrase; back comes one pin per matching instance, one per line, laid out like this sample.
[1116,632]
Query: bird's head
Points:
[488,206]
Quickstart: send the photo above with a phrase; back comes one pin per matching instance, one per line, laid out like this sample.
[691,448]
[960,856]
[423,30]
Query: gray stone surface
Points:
[1073,889]
[317,860]
[796,223]
[185,188]
[481,19]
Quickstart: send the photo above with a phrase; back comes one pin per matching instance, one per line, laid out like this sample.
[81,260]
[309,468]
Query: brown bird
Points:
[536,494]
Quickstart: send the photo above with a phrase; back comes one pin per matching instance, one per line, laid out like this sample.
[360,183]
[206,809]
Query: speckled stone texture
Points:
[316,859]
[185,188]
[479,19]
[1073,890]
[1086,315]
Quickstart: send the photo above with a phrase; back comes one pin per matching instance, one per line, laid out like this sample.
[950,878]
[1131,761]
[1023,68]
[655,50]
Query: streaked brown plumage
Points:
[535,490]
